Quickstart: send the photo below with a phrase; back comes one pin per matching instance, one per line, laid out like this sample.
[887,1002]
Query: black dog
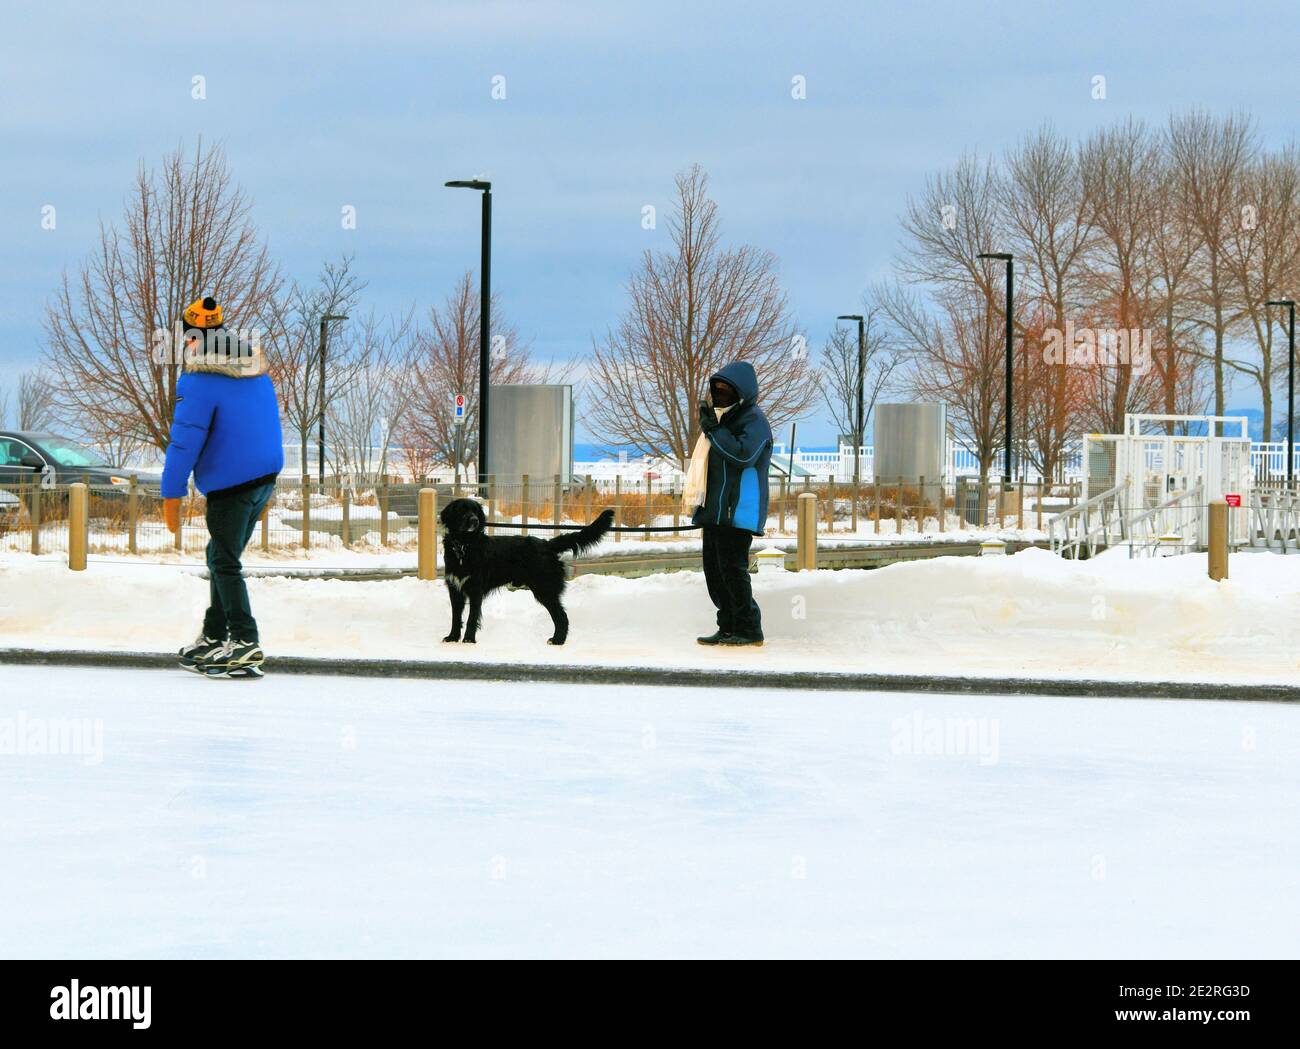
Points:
[476,564]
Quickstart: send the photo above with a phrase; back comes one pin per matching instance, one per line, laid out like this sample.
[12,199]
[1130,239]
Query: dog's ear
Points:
[480,514]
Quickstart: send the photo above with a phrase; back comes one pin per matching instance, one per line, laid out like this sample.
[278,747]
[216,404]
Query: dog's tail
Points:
[585,537]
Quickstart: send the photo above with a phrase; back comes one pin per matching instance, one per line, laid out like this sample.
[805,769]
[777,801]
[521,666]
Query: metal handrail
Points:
[1083,511]
[1197,506]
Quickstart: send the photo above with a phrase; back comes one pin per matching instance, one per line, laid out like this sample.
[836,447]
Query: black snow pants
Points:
[726,572]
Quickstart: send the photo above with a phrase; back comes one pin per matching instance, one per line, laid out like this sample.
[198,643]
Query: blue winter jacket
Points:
[739,452]
[226,430]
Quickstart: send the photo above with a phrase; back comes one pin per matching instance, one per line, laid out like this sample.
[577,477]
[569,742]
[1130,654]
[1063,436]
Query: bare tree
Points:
[1175,245]
[1208,155]
[957,216]
[694,309]
[838,373]
[293,346]
[1121,168]
[35,401]
[187,231]
[1262,255]
[959,359]
[443,361]
[1049,214]
[366,410]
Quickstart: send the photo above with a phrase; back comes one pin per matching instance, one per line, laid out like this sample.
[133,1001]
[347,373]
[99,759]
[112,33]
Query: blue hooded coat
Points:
[739,452]
[226,429]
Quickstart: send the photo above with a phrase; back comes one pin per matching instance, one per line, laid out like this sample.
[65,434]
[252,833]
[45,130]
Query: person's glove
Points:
[172,515]
[708,418]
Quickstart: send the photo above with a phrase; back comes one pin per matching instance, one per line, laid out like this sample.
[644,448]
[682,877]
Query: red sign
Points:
[1232,500]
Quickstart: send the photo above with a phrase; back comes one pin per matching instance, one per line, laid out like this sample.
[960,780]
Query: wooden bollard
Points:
[426,561]
[1218,558]
[806,546]
[78,519]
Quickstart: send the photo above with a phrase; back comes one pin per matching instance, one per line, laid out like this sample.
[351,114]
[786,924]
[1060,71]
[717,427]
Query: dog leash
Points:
[576,528]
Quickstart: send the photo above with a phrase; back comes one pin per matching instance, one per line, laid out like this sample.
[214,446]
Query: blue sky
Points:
[375,105]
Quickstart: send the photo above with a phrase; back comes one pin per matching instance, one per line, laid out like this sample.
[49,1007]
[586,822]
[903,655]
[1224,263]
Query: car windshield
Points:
[70,453]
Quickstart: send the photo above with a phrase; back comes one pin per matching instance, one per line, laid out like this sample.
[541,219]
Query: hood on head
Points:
[742,376]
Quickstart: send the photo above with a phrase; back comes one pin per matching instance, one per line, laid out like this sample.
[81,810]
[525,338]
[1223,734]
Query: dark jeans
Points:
[726,572]
[231,520]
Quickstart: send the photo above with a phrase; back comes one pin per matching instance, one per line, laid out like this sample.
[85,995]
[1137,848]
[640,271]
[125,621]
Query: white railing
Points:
[1268,459]
[1275,518]
[1175,525]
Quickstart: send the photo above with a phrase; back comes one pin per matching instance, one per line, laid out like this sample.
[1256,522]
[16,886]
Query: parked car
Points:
[28,457]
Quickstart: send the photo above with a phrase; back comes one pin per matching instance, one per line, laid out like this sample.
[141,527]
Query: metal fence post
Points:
[491,502]
[306,513]
[875,484]
[618,506]
[898,508]
[426,560]
[383,509]
[558,500]
[524,516]
[35,514]
[830,503]
[78,523]
[132,515]
[806,543]
[346,528]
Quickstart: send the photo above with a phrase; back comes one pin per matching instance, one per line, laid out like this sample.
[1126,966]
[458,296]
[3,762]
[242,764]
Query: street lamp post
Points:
[1007,258]
[1290,384]
[320,419]
[484,311]
[859,422]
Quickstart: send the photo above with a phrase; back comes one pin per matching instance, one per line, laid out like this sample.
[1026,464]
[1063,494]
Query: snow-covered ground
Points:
[1030,614]
[336,817]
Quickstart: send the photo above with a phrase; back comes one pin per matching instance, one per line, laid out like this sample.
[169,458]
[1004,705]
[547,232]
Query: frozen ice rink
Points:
[305,816]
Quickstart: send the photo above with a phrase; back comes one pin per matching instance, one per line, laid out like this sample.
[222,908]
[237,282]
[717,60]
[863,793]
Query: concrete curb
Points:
[453,670]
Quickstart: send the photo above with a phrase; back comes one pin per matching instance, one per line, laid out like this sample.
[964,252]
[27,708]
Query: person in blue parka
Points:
[734,506]
[226,431]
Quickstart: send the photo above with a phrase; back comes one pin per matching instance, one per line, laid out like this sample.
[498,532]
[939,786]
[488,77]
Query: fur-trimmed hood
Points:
[228,355]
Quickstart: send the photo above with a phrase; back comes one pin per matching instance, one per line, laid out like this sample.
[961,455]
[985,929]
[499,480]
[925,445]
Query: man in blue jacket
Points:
[226,431]
[734,509]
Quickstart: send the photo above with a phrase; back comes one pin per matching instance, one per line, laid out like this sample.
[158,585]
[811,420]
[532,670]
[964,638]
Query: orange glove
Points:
[172,515]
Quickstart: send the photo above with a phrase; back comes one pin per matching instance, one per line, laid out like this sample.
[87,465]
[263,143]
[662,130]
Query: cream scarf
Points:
[697,473]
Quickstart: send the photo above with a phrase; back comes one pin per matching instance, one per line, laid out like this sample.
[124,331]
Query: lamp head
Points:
[1003,256]
[849,317]
[468,183]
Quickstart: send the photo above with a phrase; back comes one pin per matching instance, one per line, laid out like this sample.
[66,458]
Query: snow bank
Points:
[1030,614]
